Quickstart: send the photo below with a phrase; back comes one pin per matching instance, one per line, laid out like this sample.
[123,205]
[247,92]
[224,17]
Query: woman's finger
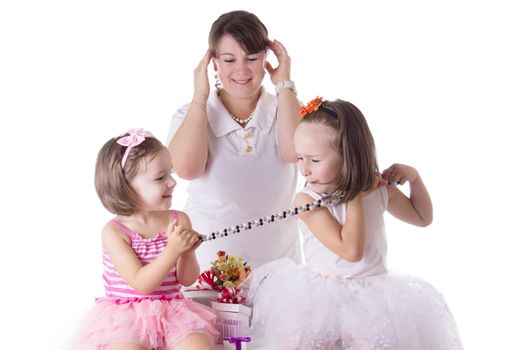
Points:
[269,67]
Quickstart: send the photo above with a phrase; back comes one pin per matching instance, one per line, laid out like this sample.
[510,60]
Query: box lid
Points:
[243,309]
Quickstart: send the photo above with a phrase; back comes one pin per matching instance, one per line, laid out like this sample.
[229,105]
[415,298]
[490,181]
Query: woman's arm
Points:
[287,103]
[347,240]
[189,146]
[416,209]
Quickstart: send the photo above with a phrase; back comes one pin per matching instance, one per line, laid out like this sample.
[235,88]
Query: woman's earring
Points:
[218,84]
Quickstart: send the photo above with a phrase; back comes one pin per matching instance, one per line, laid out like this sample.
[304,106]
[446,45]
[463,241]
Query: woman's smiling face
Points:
[241,74]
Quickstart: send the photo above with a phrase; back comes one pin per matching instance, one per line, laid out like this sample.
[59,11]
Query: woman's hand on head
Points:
[398,174]
[200,79]
[283,70]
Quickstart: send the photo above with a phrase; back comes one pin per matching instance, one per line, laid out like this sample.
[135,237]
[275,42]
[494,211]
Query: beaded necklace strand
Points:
[269,219]
[238,120]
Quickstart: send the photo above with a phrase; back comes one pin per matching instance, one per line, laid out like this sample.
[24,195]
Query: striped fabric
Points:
[146,250]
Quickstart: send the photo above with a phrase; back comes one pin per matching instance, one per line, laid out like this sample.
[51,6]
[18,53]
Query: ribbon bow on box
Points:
[238,341]
[230,295]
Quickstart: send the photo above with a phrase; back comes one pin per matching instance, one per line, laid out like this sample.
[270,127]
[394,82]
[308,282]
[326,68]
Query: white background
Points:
[441,83]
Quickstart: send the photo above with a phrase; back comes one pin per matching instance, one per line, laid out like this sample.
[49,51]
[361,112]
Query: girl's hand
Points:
[196,244]
[200,79]
[282,71]
[182,238]
[379,181]
[398,174]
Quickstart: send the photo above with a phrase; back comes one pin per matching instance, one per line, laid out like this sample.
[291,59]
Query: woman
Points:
[236,143]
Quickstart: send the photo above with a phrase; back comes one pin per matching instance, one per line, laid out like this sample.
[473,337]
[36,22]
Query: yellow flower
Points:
[228,271]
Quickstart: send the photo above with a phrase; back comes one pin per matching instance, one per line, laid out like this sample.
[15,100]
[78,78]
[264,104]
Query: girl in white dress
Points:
[344,297]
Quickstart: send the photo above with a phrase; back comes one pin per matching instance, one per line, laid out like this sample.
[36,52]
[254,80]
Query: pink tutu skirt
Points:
[154,323]
[297,308]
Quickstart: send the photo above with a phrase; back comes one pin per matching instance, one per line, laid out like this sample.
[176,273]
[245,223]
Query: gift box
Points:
[204,297]
[229,329]
[236,343]
[235,312]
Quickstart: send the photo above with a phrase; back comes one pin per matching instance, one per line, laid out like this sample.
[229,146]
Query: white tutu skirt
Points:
[296,308]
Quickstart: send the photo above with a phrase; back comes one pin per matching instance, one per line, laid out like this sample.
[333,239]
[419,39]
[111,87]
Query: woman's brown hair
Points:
[245,27]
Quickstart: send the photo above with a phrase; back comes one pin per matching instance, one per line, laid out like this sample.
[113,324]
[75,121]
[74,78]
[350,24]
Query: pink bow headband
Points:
[135,138]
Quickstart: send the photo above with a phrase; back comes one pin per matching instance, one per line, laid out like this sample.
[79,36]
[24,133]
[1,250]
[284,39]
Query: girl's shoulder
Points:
[378,198]
[122,228]
[307,193]
[165,217]
[181,217]
[114,231]
[303,197]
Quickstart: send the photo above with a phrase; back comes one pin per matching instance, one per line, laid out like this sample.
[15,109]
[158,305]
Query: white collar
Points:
[263,116]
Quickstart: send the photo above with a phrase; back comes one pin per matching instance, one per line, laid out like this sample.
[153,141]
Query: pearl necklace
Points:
[240,121]
[269,219]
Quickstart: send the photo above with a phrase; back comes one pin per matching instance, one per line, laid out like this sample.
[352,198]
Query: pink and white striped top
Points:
[146,249]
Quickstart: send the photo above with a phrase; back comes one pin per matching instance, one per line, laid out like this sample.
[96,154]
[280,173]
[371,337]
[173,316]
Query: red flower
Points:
[311,106]
[221,256]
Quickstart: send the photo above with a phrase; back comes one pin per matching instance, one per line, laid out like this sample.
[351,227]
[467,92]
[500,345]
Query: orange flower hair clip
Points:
[311,106]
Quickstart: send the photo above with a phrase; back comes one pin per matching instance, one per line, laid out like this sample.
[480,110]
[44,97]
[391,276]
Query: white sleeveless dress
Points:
[331,303]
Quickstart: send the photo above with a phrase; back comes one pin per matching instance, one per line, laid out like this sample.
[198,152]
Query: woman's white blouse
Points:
[245,179]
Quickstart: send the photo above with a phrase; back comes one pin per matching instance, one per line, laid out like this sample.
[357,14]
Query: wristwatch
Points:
[285,84]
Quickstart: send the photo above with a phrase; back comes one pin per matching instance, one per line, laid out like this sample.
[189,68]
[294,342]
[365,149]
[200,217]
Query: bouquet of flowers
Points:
[225,276]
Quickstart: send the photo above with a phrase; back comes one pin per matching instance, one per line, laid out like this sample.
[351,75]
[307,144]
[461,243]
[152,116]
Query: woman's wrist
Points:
[199,100]
[199,104]
[285,84]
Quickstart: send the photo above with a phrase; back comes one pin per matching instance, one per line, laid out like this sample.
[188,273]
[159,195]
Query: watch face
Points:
[286,84]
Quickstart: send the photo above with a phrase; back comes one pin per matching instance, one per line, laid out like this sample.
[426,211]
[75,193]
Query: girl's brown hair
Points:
[355,143]
[112,182]
[245,27]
